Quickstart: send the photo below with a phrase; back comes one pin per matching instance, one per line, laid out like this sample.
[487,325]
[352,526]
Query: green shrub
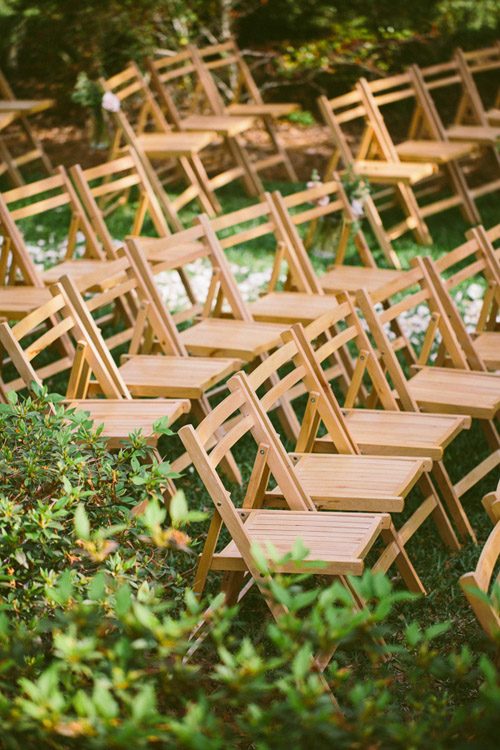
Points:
[100,641]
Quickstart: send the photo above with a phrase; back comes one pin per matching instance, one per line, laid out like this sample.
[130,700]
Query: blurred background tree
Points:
[309,47]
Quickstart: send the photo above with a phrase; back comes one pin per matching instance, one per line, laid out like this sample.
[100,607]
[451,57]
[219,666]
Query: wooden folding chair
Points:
[50,341]
[362,432]
[481,61]
[105,188]
[19,110]
[338,538]
[458,389]
[144,127]
[227,85]
[476,261]
[476,585]
[176,80]
[169,374]
[483,137]
[23,284]
[377,161]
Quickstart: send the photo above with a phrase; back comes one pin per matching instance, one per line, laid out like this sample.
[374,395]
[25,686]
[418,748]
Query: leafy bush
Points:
[100,641]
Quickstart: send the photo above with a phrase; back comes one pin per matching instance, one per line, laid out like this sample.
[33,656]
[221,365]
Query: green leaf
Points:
[413,634]
[123,600]
[97,587]
[12,397]
[161,426]
[104,702]
[144,703]
[82,525]
[178,508]
[302,662]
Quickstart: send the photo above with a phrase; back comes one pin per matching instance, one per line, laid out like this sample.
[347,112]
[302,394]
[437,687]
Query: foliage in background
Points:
[321,43]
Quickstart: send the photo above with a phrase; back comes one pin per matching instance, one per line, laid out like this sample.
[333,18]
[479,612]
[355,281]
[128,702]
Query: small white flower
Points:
[323,201]
[357,208]
[110,102]
[475,291]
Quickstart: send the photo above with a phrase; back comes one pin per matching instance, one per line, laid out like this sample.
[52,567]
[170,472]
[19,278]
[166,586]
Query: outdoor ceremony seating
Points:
[178,83]
[229,88]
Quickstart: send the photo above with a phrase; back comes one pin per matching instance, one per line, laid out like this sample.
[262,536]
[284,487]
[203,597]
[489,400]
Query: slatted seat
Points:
[174,144]
[408,173]
[436,152]
[478,133]
[281,307]
[119,417]
[493,116]
[357,482]
[25,106]
[447,390]
[148,375]
[78,268]
[487,345]
[383,432]
[341,540]
[263,109]
[220,124]
[17,301]
[234,338]
[351,278]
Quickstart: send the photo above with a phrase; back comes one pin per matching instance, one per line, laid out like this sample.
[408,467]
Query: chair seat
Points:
[291,307]
[77,268]
[231,338]
[348,482]
[476,133]
[280,109]
[493,116]
[25,106]
[18,301]
[351,278]
[174,377]
[443,389]
[380,432]
[487,345]
[437,152]
[174,144]
[174,257]
[5,119]
[341,540]
[388,173]
[121,416]
[220,124]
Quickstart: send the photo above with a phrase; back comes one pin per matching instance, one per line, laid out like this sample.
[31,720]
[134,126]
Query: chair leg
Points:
[273,133]
[439,515]
[403,563]
[453,502]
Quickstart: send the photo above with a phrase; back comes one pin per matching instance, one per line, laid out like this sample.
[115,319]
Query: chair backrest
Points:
[177,83]
[477,584]
[224,75]
[49,194]
[182,248]
[42,345]
[314,351]
[122,286]
[105,188]
[411,295]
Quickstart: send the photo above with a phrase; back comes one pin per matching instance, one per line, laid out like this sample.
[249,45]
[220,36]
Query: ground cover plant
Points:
[96,614]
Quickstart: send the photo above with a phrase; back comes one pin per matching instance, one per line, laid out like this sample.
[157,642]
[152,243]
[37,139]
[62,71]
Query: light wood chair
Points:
[19,110]
[360,431]
[23,284]
[229,88]
[254,524]
[169,374]
[481,61]
[140,123]
[176,80]
[461,388]
[50,340]
[105,188]
[380,166]
[476,585]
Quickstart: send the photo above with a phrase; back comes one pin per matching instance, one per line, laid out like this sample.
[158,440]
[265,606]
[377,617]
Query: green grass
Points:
[438,567]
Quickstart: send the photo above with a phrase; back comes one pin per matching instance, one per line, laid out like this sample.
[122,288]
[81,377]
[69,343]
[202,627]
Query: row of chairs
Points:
[187,104]
[428,171]
[369,459]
